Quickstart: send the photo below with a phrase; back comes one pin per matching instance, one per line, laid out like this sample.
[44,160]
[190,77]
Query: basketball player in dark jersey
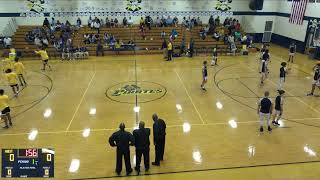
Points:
[292,51]
[283,72]
[263,70]
[278,108]
[265,110]
[204,75]
[316,79]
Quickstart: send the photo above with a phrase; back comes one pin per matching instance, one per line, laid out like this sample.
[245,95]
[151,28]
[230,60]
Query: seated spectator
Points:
[163,22]
[7,42]
[99,49]
[79,23]
[84,52]
[158,22]
[130,21]
[45,42]
[46,23]
[184,22]
[112,40]
[169,21]
[108,24]
[163,35]
[174,34]
[101,22]
[175,21]
[117,46]
[125,22]
[116,22]
[68,23]
[237,25]
[202,34]
[237,36]
[37,41]
[29,37]
[58,26]
[216,36]
[142,32]
[106,38]
[244,39]
[65,55]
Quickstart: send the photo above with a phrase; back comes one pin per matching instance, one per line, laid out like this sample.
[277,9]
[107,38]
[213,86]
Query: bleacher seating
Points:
[150,45]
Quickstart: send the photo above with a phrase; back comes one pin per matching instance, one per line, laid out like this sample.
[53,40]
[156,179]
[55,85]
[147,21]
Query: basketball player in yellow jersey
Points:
[6,64]
[5,109]
[12,81]
[44,57]
[19,70]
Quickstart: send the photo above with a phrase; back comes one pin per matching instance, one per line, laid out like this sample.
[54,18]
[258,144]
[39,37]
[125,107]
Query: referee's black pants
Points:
[126,155]
[146,158]
[159,148]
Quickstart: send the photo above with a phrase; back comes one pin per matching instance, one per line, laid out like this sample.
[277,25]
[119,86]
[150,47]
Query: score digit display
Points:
[27,163]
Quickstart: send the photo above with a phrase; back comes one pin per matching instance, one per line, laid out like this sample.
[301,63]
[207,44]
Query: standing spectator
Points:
[316,79]
[125,22]
[108,22]
[169,21]
[211,21]
[122,140]
[191,48]
[164,48]
[148,22]
[175,21]
[265,110]
[79,24]
[99,49]
[46,22]
[89,21]
[182,46]
[163,34]
[142,144]
[199,22]
[158,22]
[37,41]
[45,42]
[112,25]
[141,21]
[116,22]
[130,21]
[159,138]
[117,47]
[217,21]
[170,51]
[96,26]
[53,22]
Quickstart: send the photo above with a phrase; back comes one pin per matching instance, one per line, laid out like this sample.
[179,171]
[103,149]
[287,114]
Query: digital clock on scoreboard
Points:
[27,163]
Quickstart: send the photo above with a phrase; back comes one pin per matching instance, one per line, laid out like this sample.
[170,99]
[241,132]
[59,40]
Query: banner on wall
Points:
[36,6]
[223,5]
[133,5]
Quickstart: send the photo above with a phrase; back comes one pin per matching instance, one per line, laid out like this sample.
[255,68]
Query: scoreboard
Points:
[27,163]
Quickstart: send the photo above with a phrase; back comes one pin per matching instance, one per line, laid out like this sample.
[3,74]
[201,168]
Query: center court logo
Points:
[132,92]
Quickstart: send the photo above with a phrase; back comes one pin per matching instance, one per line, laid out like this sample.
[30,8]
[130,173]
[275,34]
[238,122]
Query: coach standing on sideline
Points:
[159,138]
[122,139]
[142,144]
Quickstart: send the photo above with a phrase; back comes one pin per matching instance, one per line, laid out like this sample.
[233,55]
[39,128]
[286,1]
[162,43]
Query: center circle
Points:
[132,92]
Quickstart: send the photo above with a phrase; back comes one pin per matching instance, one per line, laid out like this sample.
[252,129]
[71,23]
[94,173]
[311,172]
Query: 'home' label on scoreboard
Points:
[27,163]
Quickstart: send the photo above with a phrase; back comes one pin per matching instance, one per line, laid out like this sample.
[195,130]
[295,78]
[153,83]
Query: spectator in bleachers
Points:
[101,22]
[29,37]
[84,51]
[45,42]
[58,25]
[68,23]
[191,48]
[237,36]
[37,41]
[158,22]
[148,22]
[211,21]
[106,38]
[141,21]
[142,31]
[92,39]
[199,21]
[116,22]
[217,21]
[185,22]
[130,21]
[117,46]
[169,21]
[175,21]
[125,22]
[46,23]
[163,35]
[237,26]
[99,49]
[182,46]
[112,25]
[96,25]
[163,22]
[53,22]
[7,42]
[174,34]
[202,34]
[79,23]
[108,25]
[216,36]
[112,40]
[89,21]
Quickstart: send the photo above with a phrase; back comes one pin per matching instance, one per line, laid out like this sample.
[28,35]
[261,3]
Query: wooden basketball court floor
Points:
[210,135]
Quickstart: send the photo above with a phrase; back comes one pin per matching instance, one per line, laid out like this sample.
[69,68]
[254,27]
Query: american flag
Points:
[298,10]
